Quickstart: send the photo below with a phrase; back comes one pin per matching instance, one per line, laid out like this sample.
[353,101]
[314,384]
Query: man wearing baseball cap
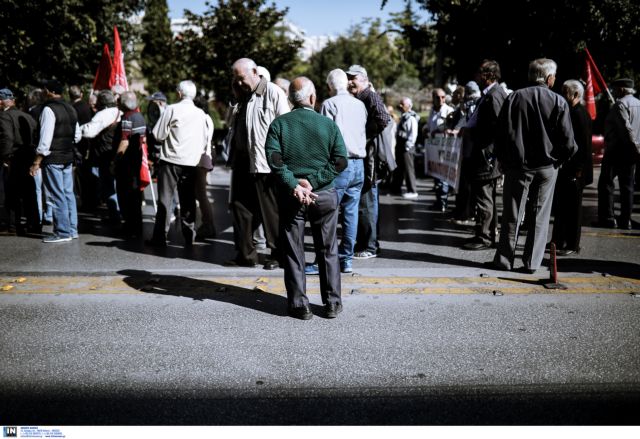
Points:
[377,120]
[17,134]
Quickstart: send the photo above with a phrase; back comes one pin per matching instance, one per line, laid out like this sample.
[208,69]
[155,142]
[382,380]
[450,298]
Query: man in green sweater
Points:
[305,151]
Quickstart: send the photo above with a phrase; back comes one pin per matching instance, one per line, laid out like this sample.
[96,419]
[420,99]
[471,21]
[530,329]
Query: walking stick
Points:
[519,219]
[153,198]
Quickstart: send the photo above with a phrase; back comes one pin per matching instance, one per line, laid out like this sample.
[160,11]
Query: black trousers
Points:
[253,202]
[129,195]
[567,222]
[171,176]
[464,202]
[608,172]
[484,194]
[323,216]
[20,195]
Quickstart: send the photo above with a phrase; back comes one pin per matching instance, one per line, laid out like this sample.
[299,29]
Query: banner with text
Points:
[442,158]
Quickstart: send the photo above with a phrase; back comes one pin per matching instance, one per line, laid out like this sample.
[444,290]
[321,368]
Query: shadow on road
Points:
[197,289]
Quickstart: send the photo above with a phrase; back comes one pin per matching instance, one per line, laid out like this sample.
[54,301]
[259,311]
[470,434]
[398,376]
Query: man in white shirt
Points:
[59,131]
[183,131]
[436,126]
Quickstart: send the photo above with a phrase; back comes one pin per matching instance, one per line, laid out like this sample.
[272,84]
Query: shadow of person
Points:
[201,290]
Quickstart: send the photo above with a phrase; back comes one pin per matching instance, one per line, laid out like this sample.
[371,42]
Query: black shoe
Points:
[332,310]
[565,252]
[237,262]
[302,313]
[492,265]
[526,270]
[624,224]
[440,207]
[156,243]
[606,224]
[271,264]
[476,244]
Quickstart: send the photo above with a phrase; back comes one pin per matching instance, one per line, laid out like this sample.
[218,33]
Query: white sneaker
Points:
[55,238]
[410,195]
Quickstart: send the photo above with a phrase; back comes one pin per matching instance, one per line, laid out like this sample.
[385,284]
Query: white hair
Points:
[540,69]
[574,87]
[129,100]
[262,71]
[337,80]
[300,96]
[187,89]
[408,101]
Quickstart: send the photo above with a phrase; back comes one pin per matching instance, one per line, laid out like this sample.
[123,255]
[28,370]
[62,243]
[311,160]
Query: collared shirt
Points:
[350,115]
[377,116]
[47,127]
[437,122]
[183,130]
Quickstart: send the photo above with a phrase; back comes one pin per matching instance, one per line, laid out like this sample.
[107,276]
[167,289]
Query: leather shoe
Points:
[476,245]
[302,312]
[271,264]
[239,263]
[565,252]
[332,310]
[610,223]
[624,224]
[156,243]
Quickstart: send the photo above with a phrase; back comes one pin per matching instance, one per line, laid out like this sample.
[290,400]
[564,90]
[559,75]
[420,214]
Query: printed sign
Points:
[442,158]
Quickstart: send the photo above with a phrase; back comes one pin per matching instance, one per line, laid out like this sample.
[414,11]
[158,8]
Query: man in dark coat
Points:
[485,172]
[17,150]
[534,139]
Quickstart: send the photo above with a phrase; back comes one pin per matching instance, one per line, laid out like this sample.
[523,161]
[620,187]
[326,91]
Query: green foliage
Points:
[158,57]
[59,38]
[374,49]
[231,30]
[517,32]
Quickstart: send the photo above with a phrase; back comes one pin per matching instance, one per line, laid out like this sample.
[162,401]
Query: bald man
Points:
[253,199]
[306,153]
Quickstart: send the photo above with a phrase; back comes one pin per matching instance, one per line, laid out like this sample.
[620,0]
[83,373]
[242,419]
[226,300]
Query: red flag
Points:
[103,74]
[145,174]
[118,75]
[594,84]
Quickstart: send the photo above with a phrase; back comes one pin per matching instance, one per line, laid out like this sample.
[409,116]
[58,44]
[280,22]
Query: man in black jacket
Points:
[485,172]
[533,140]
[17,134]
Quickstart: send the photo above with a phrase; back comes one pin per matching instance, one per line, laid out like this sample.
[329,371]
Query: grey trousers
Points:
[538,186]
[323,216]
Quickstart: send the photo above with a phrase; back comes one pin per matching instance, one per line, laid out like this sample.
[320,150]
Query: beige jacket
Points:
[266,103]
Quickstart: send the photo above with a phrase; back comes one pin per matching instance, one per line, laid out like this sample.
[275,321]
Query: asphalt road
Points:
[102,331]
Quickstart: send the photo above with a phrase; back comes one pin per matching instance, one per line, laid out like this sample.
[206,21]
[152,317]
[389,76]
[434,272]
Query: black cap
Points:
[623,82]
[54,86]
[157,96]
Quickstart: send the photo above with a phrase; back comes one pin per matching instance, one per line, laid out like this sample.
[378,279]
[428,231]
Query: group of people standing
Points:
[291,163]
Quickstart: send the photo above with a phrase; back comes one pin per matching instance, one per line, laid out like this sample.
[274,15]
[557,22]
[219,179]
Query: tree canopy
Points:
[372,48]
[58,38]
[158,56]
[232,30]
[517,32]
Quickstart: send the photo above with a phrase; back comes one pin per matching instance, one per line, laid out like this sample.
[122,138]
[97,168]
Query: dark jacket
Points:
[62,144]
[534,130]
[483,163]
[17,135]
[580,166]
[622,130]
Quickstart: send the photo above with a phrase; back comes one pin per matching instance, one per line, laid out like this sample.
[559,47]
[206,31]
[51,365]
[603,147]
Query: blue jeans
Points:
[58,181]
[44,212]
[348,187]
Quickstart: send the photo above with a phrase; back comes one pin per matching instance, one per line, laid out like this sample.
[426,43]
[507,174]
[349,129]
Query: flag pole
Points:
[599,75]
